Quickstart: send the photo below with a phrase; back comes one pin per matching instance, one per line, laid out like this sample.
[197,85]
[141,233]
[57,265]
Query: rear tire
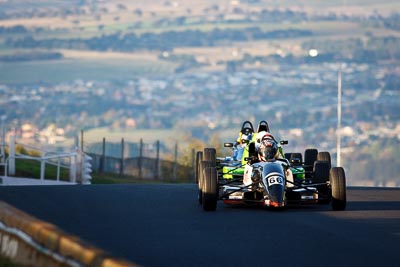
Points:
[325,156]
[310,156]
[210,189]
[321,172]
[337,178]
[204,164]
[321,176]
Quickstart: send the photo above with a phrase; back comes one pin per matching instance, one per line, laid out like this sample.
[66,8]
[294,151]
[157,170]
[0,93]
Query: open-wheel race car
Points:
[274,182]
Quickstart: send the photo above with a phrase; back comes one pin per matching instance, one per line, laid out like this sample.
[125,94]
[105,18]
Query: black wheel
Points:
[203,164]
[338,186]
[210,155]
[310,156]
[324,156]
[321,176]
[210,189]
[321,171]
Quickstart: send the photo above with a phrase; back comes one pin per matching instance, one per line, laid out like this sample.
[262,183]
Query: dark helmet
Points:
[247,131]
[246,134]
[246,138]
[268,149]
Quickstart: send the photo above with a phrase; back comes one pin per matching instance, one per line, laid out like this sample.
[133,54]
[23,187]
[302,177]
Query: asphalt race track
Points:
[163,225]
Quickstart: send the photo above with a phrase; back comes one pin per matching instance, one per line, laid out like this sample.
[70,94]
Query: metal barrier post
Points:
[157,176]
[121,166]
[86,169]
[72,170]
[2,140]
[58,169]
[11,161]
[140,159]
[42,168]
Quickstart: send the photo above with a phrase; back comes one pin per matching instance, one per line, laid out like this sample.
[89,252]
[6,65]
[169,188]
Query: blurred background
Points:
[188,73]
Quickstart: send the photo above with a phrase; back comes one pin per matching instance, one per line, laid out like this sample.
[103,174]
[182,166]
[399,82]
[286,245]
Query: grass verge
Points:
[31,168]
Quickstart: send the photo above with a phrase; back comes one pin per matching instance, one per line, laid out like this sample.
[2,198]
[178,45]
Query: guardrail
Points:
[78,163]
[43,161]
[28,241]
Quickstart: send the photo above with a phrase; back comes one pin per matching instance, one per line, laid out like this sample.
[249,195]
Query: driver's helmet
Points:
[268,148]
[246,135]
[263,135]
[245,138]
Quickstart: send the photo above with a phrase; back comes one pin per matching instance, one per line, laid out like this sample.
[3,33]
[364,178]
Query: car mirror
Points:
[228,144]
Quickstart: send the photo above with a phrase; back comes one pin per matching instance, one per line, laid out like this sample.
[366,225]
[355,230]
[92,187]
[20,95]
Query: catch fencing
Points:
[145,161]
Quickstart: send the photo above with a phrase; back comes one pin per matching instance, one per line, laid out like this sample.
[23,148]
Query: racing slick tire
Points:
[337,179]
[321,177]
[198,173]
[310,156]
[203,164]
[321,171]
[325,156]
[210,189]
[210,155]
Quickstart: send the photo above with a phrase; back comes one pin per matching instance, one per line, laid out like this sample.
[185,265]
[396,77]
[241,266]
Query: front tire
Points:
[338,186]
[203,164]
[210,155]
[321,177]
[210,189]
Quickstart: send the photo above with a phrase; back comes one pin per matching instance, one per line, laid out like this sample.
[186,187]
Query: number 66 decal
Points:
[275,180]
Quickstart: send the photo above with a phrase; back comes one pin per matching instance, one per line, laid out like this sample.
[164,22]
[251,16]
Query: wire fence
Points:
[139,160]
[149,161]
